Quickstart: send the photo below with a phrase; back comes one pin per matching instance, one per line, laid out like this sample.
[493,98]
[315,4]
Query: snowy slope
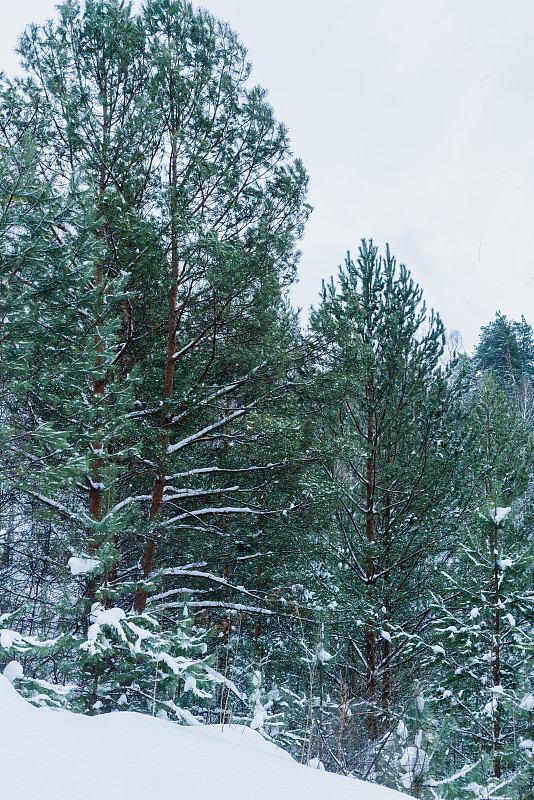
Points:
[56,755]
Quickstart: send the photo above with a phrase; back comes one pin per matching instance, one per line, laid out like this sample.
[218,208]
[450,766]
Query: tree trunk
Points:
[496,663]
[386,647]
[147,558]
[370,632]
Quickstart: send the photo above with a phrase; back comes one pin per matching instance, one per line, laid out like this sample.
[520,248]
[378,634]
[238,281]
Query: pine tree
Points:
[390,421]
[484,612]
[506,348]
[163,409]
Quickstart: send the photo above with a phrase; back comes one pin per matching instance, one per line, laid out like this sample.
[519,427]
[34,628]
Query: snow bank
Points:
[55,755]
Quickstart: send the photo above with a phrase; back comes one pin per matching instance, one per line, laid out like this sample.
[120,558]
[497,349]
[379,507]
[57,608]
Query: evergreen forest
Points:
[209,512]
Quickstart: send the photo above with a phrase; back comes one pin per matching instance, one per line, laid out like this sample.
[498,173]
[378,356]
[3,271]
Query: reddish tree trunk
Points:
[369,632]
[149,550]
[496,666]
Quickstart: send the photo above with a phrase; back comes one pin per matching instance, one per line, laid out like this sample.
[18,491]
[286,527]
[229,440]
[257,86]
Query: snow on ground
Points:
[55,755]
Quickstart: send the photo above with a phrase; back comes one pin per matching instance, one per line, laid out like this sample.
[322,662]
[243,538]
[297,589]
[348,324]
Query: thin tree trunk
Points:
[496,666]
[147,558]
[95,483]
[99,384]
[370,632]
[257,626]
[386,648]
[494,616]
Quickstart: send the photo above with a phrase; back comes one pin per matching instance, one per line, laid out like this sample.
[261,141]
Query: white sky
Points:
[415,121]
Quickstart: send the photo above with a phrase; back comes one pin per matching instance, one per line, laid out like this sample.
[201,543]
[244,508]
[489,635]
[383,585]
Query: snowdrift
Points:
[56,755]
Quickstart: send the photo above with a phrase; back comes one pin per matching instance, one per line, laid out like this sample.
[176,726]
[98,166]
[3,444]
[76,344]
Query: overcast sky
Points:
[415,121]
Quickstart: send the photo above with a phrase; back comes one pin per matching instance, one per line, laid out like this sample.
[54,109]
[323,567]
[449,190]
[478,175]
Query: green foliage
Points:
[506,348]
[151,207]
[483,614]
[133,662]
[391,419]
[346,521]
